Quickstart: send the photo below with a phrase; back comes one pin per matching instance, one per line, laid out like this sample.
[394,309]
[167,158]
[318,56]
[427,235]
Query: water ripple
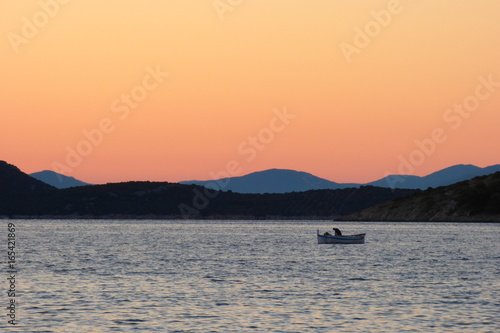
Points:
[265,276]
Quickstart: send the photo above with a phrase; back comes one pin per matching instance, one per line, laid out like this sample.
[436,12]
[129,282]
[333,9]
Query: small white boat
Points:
[347,239]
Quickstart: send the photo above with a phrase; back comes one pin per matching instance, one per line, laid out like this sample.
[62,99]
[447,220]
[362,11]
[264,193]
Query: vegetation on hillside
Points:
[171,200]
[477,199]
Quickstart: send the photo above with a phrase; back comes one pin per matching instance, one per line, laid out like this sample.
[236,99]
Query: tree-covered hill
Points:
[172,200]
[477,199]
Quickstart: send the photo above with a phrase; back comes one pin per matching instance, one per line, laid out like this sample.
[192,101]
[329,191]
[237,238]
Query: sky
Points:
[348,90]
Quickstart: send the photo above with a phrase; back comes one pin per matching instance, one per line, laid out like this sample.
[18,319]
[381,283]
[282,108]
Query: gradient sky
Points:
[360,81]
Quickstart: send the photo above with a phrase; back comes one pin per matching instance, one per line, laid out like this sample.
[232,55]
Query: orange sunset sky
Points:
[114,90]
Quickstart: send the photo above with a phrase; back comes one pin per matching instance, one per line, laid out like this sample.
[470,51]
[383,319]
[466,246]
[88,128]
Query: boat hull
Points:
[348,239]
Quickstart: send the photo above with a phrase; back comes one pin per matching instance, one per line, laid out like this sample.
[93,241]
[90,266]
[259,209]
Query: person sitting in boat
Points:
[327,234]
[337,232]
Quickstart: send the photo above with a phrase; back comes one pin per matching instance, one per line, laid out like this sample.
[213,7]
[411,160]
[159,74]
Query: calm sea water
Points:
[254,276]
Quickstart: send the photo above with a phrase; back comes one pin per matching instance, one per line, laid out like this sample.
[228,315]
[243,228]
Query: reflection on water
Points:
[243,276]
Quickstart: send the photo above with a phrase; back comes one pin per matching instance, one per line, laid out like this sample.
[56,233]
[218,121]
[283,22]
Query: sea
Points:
[250,276]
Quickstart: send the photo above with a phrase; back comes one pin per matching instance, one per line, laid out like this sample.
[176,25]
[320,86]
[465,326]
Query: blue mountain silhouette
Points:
[57,180]
[283,180]
[447,176]
[272,181]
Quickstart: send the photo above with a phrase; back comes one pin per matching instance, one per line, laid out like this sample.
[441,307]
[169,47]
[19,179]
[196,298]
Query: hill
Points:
[57,180]
[477,199]
[14,182]
[164,200]
[271,181]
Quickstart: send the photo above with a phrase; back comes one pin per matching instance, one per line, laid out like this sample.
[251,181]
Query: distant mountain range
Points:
[57,180]
[477,199]
[23,196]
[283,181]
[286,181]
